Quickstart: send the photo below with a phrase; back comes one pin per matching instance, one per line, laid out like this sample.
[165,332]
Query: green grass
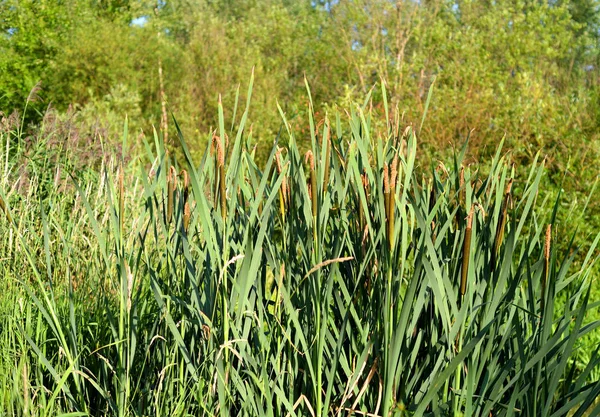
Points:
[354,285]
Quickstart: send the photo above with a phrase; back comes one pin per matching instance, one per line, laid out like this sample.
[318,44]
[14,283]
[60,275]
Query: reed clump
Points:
[335,281]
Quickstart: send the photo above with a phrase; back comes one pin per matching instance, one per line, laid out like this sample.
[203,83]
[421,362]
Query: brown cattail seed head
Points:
[548,242]
[365,181]
[470,218]
[310,159]
[171,184]
[466,251]
[508,186]
[218,146]
[394,172]
[186,216]
[185,178]
[172,175]
[221,155]
[278,161]
[386,179]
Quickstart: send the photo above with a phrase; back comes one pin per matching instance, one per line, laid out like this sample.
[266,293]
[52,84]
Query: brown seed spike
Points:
[394,172]
[386,179]
[548,241]
[546,271]
[309,158]
[185,180]
[186,216]
[466,252]
[501,224]
[171,184]
[278,160]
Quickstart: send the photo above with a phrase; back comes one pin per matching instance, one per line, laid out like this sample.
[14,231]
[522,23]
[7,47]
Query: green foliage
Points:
[337,282]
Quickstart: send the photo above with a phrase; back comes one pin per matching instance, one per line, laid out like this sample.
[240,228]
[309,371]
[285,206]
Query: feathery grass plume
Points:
[546,271]
[121,196]
[501,224]
[171,184]
[466,252]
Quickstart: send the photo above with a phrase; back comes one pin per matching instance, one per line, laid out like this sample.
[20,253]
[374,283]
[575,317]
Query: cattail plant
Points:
[283,189]
[392,202]
[185,182]
[229,321]
[221,197]
[186,216]
[546,270]
[466,253]
[310,159]
[171,185]
[501,224]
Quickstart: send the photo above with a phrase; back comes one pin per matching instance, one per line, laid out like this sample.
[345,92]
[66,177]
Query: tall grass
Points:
[342,282]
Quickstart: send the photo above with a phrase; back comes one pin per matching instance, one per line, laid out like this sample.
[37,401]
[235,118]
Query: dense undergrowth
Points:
[348,280]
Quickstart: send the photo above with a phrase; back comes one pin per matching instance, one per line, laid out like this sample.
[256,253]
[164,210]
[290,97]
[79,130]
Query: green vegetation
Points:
[331,283]
[416,234]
